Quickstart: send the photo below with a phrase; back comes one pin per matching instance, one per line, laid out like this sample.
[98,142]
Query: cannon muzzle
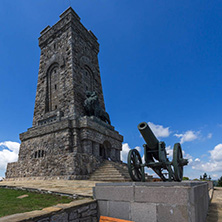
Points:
[150,139]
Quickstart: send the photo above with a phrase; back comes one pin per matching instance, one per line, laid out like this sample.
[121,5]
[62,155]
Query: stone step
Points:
[97,174]
[108,175]
[109,168]
[108,178]
[116,166]
[108,172]
[111,180]
[113,168]
[111,171]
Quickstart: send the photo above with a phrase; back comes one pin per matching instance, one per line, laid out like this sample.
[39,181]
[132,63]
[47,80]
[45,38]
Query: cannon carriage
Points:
[155,157]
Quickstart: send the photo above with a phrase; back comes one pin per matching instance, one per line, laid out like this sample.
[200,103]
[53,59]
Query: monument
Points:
[71,133]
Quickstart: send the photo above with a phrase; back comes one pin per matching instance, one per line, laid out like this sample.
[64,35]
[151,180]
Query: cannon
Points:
[155,157]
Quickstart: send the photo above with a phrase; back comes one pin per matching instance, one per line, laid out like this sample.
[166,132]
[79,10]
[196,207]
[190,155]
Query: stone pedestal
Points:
[66,149]
[152,202]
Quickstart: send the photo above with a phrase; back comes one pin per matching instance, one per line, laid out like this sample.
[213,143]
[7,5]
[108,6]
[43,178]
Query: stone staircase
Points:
[111,171]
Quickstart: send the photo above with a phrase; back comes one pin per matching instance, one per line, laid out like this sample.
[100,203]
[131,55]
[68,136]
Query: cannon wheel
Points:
[177,162]
[134,165]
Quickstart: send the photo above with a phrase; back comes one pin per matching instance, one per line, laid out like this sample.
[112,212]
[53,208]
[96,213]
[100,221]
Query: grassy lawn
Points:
[10,204]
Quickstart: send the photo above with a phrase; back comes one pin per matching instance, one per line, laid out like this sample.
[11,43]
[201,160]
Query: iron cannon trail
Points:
[155,156]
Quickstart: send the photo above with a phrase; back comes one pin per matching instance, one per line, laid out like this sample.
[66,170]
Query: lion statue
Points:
[93,108]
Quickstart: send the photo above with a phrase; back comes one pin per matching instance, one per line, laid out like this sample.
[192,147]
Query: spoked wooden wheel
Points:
[178,162]
[134,165]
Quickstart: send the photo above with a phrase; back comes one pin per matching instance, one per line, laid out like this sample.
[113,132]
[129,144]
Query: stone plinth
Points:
[71,149]
[152,202]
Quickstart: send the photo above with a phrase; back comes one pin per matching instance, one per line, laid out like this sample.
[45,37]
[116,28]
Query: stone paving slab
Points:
[79,187]
[215,209]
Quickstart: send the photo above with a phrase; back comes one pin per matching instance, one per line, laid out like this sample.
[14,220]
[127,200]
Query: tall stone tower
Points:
[71,134]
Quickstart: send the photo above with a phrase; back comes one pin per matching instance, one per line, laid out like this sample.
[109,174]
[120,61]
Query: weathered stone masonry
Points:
[63,141]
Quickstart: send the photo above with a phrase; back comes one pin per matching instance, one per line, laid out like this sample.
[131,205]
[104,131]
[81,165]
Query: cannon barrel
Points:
[150,139]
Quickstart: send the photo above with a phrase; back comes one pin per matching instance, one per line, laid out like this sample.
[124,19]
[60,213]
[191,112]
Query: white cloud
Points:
[197,160]
[187,136]
[125,151]
[9,153]
[169,150]
[209,136]
[138,148]
[187,156]
[208,166]
[143,159]
[159,130]
[13,146]
[215,162]
[216,153]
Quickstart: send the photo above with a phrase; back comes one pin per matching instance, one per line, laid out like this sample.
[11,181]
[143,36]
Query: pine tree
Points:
[219,182]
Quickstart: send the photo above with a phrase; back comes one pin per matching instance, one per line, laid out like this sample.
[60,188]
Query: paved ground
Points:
[80,187]
[215,209]
[84,187]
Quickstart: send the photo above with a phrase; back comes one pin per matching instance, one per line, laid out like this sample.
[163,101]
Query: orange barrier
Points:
[111,219]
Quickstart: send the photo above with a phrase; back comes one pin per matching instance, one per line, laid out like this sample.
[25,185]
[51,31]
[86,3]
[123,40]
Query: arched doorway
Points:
[105,150]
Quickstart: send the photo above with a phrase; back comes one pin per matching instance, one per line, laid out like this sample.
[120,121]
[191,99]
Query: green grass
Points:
[10,204]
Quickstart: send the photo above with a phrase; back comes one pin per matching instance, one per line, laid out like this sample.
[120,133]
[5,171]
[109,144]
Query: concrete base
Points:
[152,202]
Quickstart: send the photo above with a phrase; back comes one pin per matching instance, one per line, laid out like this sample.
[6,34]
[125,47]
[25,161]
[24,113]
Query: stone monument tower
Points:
[71,132]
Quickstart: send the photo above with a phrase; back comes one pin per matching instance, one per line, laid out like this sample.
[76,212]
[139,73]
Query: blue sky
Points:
[160,62]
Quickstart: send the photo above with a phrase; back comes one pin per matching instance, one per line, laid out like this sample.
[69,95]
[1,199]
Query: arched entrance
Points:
[105,150]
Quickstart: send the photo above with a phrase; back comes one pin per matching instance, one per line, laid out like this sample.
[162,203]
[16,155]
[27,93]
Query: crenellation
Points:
[45,30]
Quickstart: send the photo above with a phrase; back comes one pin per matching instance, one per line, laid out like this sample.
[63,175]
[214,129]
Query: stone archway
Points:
[107,149]
[101,151]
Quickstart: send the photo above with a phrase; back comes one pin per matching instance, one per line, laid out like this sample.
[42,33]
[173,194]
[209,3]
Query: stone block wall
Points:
[77,211]
[48,166]
[64,149]
[154,202]
[63,166]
